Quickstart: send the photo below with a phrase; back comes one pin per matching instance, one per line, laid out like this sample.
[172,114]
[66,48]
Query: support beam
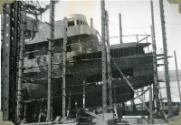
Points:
[143,97]
[64,69]
[137,37]
[20,69]
[120,29]
[145,38]
[167,77]
[11,35]
[83,99]
[104,80]
[49,101]
[131,87]
[5,71]
[109,74]
[155,70]
[151,105]
[177,75]
[69,101]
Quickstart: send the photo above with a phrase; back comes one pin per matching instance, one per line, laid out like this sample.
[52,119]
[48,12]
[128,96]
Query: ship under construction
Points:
[66,72]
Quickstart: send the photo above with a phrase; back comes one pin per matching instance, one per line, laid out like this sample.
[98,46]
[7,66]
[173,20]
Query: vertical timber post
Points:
[64,69]
[109,75]
[177,74]
[137,38]
[83,101]
[150,106]
[155,70]
[142,90]
[120,29]
[167,77]
[104,85]
[11,35]
[5,71]
[69,101]
[49,101]
[20,68]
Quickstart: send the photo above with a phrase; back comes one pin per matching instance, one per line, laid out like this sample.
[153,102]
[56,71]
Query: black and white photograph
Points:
[90,62]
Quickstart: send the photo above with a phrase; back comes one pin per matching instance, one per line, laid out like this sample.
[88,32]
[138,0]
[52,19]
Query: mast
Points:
[167,77]
[120,29]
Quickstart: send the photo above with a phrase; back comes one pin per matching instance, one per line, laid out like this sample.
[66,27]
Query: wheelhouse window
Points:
[71,23]
[79,22]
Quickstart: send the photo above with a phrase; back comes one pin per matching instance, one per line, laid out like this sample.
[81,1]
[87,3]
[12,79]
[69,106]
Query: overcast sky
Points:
[136,19]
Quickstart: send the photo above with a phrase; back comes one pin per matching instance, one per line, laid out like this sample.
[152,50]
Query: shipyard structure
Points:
[66,72]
